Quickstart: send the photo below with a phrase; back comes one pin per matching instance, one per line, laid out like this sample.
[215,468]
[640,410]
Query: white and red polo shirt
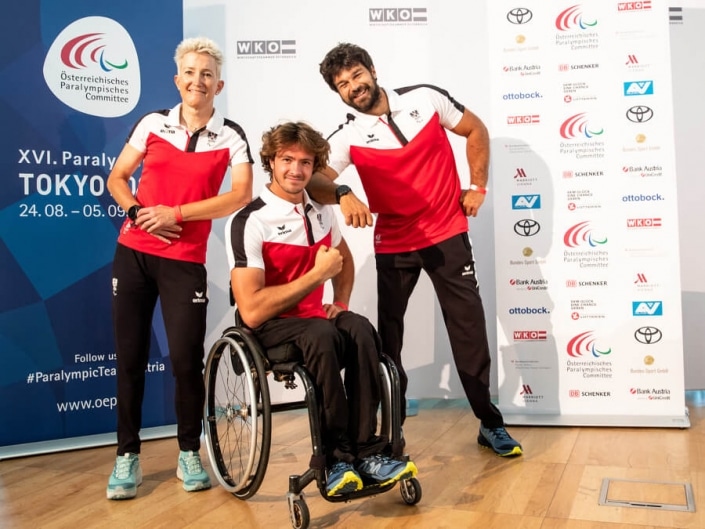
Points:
[178,168]
[282,239]
[406,166]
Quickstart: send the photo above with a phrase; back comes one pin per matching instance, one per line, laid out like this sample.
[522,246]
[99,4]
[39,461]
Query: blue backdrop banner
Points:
[76,77]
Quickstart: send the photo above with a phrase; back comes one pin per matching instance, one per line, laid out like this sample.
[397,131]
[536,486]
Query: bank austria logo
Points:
[648,335]
[266,49]
[578,126]
[398,15]
[526,201]
[638,88]
[647,308]
[520,15]
[92,67]
[527,227]
[582,234]
[585,344]
[572,18]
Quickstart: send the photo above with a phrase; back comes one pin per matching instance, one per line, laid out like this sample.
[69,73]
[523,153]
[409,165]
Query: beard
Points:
[374,94]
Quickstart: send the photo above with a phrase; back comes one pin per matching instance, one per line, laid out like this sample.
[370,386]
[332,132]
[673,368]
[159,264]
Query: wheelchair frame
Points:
[238,423]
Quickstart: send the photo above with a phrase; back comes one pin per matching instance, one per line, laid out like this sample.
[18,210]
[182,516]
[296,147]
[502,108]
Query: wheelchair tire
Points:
[410,491]
[237,413]
[300,515]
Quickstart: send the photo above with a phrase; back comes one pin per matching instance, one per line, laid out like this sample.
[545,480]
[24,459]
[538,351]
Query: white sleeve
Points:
[339,158]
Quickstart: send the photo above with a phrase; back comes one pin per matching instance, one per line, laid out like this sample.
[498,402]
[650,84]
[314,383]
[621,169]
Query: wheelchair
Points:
[238,420]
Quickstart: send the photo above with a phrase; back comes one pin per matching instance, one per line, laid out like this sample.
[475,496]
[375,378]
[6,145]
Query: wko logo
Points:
[582,234]
[265,48]
[530,336]
[634,6]
[647,308]
[644,223]
[572,18]
[585,344]
[398,15]
[526,119]
[578,125]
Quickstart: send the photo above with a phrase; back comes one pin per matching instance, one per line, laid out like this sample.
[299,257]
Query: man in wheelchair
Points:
[284,247]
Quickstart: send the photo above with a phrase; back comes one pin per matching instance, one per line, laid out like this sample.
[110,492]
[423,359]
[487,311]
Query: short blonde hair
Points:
[199,45]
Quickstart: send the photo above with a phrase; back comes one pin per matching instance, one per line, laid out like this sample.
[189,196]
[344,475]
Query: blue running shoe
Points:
[126,477]
[191,472]
[342,479]
[385,470]
[499,440]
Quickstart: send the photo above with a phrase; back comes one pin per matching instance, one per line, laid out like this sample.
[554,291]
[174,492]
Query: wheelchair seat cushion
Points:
[286,352]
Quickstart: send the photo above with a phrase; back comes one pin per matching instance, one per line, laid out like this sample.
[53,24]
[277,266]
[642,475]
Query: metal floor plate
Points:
[659,495]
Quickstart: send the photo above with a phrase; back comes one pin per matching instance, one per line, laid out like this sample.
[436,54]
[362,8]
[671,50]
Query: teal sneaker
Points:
[499,440]
[190,471]
[385,470]
[126,477]
[342,479]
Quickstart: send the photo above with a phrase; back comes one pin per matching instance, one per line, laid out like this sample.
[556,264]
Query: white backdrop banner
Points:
[586,219]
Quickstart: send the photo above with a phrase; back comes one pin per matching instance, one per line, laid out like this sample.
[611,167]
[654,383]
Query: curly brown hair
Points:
[343,57]
[291,133]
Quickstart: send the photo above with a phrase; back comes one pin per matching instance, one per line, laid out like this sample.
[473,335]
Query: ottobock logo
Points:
[647,308]
[526,201]
[92,67]
[578,126]
[572,18]
[258,49]
[634,6]
[585,344]
[638,88]
[398,15]
[582,234]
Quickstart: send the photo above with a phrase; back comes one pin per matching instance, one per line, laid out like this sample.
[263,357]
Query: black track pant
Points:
[348,407]
[138,280]
[451,267]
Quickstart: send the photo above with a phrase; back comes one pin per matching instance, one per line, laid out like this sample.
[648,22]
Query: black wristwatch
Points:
[132,212]
[341,191]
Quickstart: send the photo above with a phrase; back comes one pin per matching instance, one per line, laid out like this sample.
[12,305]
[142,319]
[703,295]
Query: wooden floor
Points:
[555,485]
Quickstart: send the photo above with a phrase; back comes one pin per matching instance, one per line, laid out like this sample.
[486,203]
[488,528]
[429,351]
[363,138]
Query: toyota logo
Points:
[520,15]
[527,227]
[640,114]
[648,335]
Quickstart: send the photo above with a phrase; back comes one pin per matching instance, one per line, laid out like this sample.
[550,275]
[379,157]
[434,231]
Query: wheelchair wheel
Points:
[237,414]
[384,418]
[410,491]
[299,513]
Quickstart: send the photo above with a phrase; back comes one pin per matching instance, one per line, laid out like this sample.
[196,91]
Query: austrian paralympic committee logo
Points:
[585,344]
[582,234]
[578,126]
[92,66]
[572,18]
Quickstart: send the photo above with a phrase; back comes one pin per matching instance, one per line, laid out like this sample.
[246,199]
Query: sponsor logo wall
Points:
[586,222]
